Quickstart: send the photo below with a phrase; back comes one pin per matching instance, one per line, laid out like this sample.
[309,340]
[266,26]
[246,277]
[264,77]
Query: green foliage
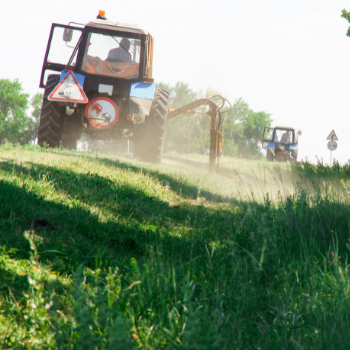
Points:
[15,125]
[31,132]
[253,130]
[234,127]
[182,132]
[346,15]
[318,175]
[230,147]
[99,313]
[13,105]
[243,128]
[124,267]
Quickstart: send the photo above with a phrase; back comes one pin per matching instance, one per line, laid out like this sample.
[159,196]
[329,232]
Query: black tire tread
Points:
[72,130]
[294,155]
[148,145]
[51,118]
[269,155]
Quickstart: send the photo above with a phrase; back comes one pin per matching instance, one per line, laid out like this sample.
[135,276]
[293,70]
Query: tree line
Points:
[16,125]
[185,134]
[243,128]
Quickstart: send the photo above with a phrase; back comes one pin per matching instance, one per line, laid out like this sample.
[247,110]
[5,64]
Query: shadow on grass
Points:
[186,189]
[103,223]
[12,284]
[296,235]
[138,225]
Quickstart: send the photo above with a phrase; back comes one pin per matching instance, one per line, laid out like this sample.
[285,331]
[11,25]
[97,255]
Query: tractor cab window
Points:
[112,55]
[62,45]
[283,136]
[268,134]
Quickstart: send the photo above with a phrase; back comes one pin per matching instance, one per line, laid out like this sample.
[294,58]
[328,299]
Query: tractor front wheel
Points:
[149,141]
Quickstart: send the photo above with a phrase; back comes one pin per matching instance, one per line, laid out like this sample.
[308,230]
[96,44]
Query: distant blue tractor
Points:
[281,143]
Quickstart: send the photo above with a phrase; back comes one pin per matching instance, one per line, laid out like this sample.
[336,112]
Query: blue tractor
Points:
[281,143]
[98,80]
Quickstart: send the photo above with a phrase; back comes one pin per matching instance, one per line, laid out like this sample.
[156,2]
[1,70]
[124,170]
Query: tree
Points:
[181,131]
[253,131]
[245,127]
[31,132]
[13,105]
[233,127]
[36,103]
[346,15]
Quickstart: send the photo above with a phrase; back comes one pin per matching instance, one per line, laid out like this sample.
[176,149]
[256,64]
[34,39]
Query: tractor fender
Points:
[141,97]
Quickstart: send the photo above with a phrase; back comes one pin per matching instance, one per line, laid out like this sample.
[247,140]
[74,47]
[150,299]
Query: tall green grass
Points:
[134,265]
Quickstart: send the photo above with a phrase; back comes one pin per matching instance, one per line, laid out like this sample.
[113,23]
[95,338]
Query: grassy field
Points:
[139,256]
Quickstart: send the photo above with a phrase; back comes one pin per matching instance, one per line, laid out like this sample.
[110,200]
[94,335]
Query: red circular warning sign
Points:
[102,113]
[332,145]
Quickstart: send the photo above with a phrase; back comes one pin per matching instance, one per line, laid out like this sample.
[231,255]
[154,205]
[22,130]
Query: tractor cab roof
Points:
[117,26]
[284,127]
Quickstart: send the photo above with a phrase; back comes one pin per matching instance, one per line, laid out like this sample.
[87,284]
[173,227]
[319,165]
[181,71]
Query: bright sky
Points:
[289,58]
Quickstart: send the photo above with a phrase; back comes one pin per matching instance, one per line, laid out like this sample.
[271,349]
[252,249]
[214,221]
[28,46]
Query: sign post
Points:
[332,145]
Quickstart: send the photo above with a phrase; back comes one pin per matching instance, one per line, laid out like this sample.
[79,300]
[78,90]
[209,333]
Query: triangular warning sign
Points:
[332,136]
[68,90]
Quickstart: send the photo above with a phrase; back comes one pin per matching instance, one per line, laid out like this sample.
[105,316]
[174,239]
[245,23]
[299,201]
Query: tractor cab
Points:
[100,49]
[281,143]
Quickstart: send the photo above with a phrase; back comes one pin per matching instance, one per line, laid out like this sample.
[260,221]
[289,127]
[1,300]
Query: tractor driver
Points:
[121,53]
[285,138]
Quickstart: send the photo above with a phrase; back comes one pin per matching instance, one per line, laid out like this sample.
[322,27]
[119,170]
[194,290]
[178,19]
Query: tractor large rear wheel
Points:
[149,142]
[269,155]
[51,117]
[294,155]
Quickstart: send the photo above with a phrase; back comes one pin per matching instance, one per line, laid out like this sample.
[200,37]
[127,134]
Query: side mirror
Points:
[299,133]
[67,35]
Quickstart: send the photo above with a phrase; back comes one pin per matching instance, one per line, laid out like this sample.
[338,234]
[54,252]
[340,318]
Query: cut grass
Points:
[210,263]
